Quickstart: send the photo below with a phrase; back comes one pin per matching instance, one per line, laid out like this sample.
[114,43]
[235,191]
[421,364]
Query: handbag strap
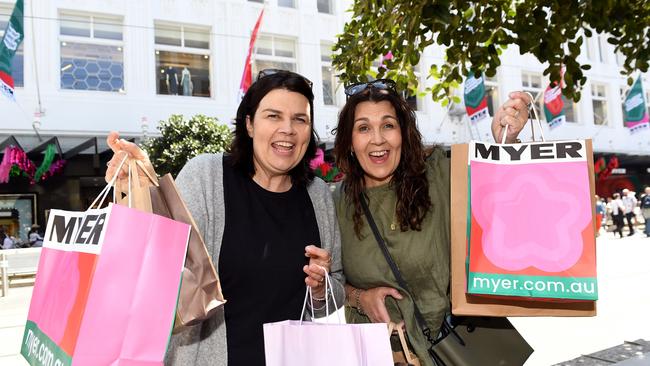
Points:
[393,266]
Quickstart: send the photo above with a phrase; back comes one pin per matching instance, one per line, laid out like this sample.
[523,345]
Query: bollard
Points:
[4,268]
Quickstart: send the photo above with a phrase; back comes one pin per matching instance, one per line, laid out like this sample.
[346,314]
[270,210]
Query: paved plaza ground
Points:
[623,314]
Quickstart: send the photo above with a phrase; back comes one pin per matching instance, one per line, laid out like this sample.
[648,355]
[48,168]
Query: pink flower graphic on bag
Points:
[552,196]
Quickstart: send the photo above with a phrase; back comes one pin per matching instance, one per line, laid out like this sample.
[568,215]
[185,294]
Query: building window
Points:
[327,73]
[570,108]
[492,92]
[601,45]
[599,103]
[182,60]
[324,6]
[533,83]
[92,55]
[273,52]
[17,68]
[287,3]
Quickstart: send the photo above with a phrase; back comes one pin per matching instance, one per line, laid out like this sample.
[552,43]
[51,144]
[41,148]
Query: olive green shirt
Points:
[422,256]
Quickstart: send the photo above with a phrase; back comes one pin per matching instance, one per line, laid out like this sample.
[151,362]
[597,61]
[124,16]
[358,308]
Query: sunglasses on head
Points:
[379,84]
[268,72]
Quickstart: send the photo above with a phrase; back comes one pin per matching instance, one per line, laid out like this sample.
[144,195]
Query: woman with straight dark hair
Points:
[268,224]
[379,148]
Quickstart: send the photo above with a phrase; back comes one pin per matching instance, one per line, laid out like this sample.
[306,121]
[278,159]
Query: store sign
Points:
[619,171]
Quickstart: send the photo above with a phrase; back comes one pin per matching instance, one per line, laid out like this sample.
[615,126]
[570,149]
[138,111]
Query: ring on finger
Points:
[108,163]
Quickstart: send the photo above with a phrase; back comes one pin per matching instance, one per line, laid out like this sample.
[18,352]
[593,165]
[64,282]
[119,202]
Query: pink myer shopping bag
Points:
[296,343]
[106,288]
[530,224]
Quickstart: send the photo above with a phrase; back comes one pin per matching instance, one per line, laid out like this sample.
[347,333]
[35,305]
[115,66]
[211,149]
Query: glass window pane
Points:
[600,112]
[536,81]
[197,38]
[325,52]
[75,25]
[264,46]
[256,1]
[492,98]
[284,47]
[107,28]
[286,3]
[267,64]
[92,67]
[328,85]
[182,74]
[569,110]
[17,67]
[168,34]
[324,6]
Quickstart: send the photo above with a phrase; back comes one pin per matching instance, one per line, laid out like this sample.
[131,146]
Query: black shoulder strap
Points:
[393,266]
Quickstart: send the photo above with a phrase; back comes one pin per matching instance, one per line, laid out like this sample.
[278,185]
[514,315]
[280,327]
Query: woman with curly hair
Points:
[379,148]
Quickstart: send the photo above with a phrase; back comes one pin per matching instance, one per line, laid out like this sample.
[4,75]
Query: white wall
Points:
[231,21]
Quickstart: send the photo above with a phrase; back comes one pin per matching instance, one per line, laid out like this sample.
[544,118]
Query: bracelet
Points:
[319,299]
[357,295]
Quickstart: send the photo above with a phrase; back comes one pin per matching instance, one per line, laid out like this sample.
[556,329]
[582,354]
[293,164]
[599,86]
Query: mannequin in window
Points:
[172,80]
[186,82]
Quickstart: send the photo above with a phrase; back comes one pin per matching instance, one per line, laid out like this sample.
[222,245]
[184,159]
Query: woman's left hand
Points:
[514,114]
[318,259]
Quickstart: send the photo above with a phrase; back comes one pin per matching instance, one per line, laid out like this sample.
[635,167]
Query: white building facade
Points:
[87,67]
[103,65]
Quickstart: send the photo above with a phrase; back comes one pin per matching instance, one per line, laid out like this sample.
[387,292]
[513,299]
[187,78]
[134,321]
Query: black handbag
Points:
[463,341]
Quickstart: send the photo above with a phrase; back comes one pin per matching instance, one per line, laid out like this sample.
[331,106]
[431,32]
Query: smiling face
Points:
[377,141]
[281,129]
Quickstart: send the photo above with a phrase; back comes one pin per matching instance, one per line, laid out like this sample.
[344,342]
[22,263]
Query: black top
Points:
[261,260]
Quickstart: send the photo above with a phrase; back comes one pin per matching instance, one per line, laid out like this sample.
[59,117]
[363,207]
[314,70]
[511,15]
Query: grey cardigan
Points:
[201,185]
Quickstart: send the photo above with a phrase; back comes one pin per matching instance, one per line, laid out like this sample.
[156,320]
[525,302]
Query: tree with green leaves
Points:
[475,33]
[183,139]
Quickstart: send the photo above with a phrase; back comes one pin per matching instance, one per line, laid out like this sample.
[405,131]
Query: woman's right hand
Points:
[372,303]
[120,148]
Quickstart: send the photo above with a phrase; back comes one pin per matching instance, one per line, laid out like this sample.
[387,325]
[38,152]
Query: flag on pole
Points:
[247,77]
[636,115]
[12,38]
[475,98]
[554,105]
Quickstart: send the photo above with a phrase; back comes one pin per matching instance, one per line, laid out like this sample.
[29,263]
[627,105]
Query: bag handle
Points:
[402,340]
[104,192]
[328,291]
[532,107]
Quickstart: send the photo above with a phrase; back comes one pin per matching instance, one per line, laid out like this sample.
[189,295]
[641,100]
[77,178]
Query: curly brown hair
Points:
[409,179]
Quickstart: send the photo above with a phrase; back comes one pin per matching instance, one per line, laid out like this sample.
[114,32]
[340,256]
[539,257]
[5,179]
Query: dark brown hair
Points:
[241,149]
[409,179]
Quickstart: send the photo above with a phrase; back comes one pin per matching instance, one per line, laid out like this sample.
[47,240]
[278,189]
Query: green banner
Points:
[636,116]
[39,350]
[548,287]
[12,38]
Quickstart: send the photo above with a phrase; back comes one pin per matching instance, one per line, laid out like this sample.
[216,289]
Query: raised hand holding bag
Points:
[463,341]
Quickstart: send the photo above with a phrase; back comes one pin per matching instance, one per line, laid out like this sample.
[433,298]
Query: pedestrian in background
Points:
[616,206]
[645,210]
[600,213]
[629,203]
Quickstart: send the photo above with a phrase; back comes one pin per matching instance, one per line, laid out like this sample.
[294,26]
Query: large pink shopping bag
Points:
[296,343]
[106,288]
[530,220]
